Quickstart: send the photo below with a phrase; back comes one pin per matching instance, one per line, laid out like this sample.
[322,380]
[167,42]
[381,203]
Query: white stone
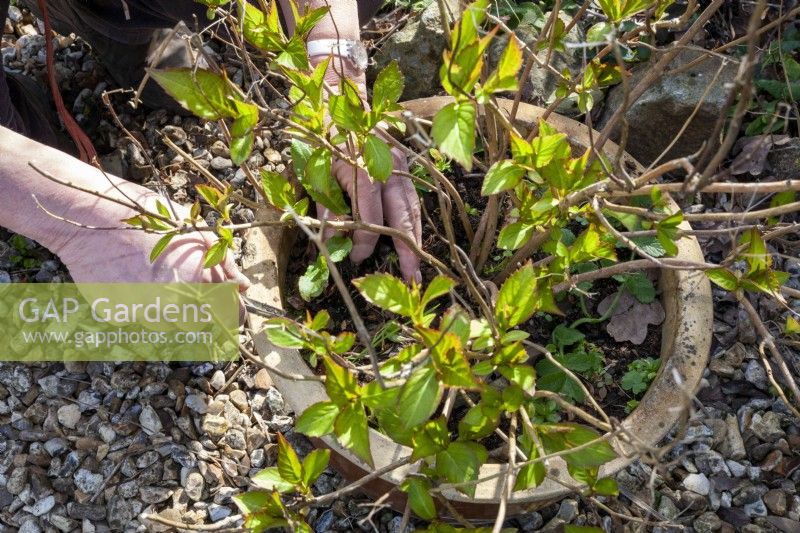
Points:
[697,483]
[69,415]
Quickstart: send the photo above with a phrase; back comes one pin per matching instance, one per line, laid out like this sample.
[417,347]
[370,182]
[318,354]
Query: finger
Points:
[323,213]
[370,209]
[232,272]
[403,213]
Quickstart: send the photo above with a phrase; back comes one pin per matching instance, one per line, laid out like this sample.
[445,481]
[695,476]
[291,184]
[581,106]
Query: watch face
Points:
[358,55]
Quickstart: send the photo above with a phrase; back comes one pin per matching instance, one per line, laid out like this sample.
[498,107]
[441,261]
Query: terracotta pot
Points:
[686,339]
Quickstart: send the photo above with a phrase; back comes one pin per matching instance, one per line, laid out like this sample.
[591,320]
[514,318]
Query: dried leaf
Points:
[631,325]
[753,152]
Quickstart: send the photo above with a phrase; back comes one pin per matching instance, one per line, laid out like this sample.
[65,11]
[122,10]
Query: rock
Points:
[41,507]
[219,149]
[152,495]
[62,523]
[29,526]
[17,480]
[707,522]
[776,501]
[197,403]
[107,433]
[55,446]
[217,512]
[394,525]
[697,483]
[194,485]
[120,513]
[217,380]
[149,420]
[221,163]
[275,402]
[733,446]
[568,510]
[754,373]
[325,521]
[215,426]
[262,380]
[667,508]
[767,427]
[69,415]
[417,48]
[239,399]
[540,87]
[176,134]
[784,160]
[785,525]
[530,521]
[87,481]
[756,508]
[81,511]
[659,114]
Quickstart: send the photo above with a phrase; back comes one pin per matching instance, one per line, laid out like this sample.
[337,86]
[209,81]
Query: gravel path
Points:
[93,446]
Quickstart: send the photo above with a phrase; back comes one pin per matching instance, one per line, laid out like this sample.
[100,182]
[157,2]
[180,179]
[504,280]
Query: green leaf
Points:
[560,437]
[206,94]
[419,497]
[241,147]
[317,420]
[340,384]
[271,479]
[278,190]
[388,87]
[502,176]
[284,333]
[258,501]
[505,77]
[294,55]
[160,246]
[530,475]
[439,286]
[317,179]
[448,358]
[599,32]
[352,431]
[514,235]
[339,247]
[215,254]
[516,300]
[378,158]
[461,462]
[724,278]
[288,463]
[479,422]
[639,285]
[305,23]
[419,397]
[314,279]
[431,438]
[792,326]
[523,375]
[314,464]
[454,131]
[606,487]
[388,293]
[564,335]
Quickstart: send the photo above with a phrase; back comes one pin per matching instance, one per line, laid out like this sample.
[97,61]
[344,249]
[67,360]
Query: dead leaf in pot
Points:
[625,302]
[753,152]
[631,325]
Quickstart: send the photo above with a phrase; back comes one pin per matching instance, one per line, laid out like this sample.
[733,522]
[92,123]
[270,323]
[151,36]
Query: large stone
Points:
[418,49]
[540,87]
[655,119]
[784,160]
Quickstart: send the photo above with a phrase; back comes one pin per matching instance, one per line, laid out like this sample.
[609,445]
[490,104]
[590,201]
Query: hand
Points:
[395,201]
[101,256]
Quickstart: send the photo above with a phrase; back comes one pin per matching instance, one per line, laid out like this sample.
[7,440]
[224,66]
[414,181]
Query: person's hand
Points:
[108,256]
[395,202]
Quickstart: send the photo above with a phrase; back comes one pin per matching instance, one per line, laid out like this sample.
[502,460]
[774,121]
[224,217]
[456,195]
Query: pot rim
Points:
[685,347]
